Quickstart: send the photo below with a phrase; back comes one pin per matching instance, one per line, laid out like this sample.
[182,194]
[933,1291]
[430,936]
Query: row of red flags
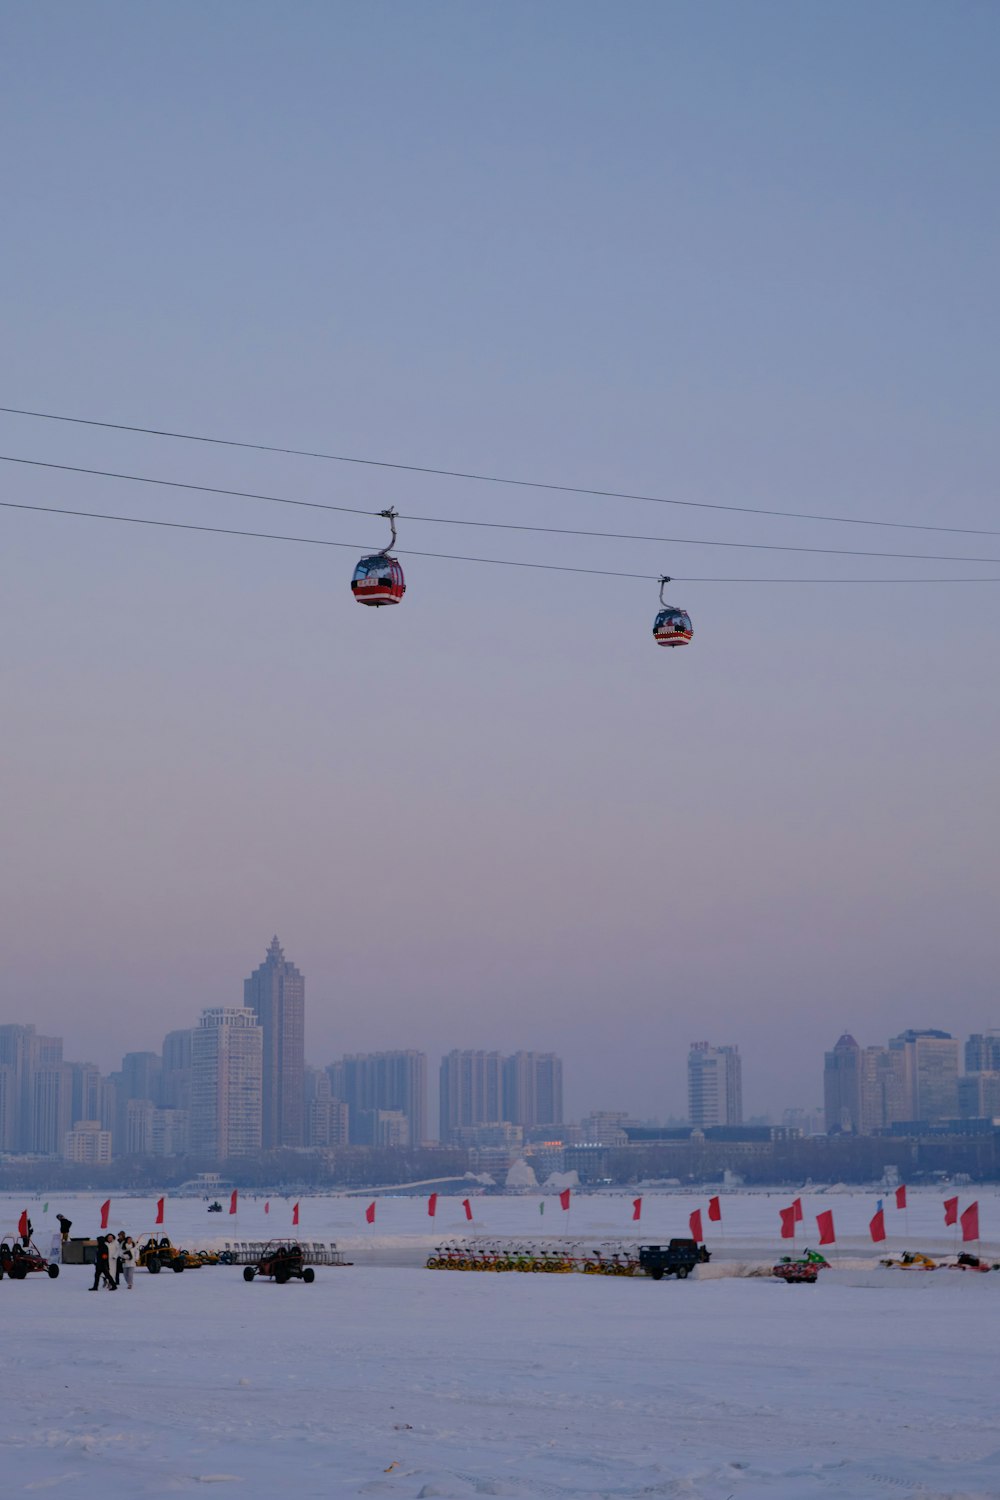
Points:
[792,1215]
[161,1205]
[968,1219]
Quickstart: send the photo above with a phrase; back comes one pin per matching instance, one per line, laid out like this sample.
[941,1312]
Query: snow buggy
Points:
[155,1254]
[281,1260]
[17,1260]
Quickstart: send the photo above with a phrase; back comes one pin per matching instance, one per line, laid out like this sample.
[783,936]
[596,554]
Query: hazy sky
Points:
[743,253]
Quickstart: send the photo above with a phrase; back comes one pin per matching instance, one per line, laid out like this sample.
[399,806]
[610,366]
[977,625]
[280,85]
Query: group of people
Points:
[115,1258]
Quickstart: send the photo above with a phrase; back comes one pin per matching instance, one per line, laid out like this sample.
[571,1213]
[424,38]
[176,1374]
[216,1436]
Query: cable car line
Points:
[499,562]
[618,536]
[530,484]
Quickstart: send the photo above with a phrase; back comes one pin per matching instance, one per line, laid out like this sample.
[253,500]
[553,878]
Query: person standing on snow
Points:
[101,1268]
[128,1261]
[114,1261]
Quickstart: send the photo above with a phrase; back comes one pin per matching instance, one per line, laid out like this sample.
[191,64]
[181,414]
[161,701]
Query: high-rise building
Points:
[842,1086]
[471,1090]
[979,1096]
[533,1089]
[369,1082]
[141,1073]
[881,1089]
[982,1052]
[276,993]
[175,1079]
[227,1051]
[928,1061]
[715,1086]
[87,1144]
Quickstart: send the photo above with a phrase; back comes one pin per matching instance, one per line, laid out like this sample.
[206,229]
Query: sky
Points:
[722,254]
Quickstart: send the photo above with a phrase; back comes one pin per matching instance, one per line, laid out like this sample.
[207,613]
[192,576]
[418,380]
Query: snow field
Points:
[388,1380]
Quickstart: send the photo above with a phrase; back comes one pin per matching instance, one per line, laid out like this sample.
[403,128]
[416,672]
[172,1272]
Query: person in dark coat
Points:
[102,1269]
[26,1237]
[65,1225]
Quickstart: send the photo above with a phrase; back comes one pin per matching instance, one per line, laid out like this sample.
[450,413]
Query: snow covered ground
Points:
[388,1380]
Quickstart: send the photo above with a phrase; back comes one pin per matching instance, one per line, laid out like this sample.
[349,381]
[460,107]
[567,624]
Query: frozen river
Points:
[389,1380]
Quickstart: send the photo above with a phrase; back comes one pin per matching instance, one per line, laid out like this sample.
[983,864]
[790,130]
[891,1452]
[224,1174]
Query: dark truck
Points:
[676,1259]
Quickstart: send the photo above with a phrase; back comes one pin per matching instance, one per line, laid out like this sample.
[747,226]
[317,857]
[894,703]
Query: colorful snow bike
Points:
[17,1261]
[803,1268]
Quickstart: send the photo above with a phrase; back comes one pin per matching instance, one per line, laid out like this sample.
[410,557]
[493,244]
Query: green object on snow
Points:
[541,1206]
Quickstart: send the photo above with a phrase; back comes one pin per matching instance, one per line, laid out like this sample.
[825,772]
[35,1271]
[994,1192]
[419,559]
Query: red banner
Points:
[22,1224]
[295,1214]
[105,1211]
[787,1222]
[694,1221]
[637,1208]
[267,1206]
[715,1210]
[432,1204]
[901,1196]
[159,1210]
[370,1213]
[824,1223]
[951,1211]
[232,1200]
[876,1226]
[970,1222]
[797,1210]
[468,1208]
[564,1198]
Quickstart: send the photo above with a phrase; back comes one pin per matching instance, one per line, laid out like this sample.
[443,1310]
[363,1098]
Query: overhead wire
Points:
[213,489]
[497,479]
[502,562]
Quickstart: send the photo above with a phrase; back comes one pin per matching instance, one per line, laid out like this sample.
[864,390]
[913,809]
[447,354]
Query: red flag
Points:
[564,1198]
[637,1208]
[824,1223]
[432,1204]
[105,1211]
[295,1213]
[468,1208]
[970,1222]
[232,1200]
[797,1208]
[715,1210]
[267,1206]
[370,1212]
[876,1226]
[901,1196]
[951,1210]
[694,1220]
[787,1222]
[22,1224]
[159,1210]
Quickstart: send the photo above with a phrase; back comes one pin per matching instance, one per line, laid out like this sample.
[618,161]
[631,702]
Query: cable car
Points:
[378,579]
[672,626]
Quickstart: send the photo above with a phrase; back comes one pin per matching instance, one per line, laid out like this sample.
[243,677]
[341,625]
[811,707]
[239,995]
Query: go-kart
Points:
[281,1260]
[156,1254]
[17,1261]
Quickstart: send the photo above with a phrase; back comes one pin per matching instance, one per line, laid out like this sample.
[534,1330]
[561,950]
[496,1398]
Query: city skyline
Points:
[215,1086]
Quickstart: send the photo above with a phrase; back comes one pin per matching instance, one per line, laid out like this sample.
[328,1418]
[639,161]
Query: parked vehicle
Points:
[678,1258]
[157,1254]
[281,1260]
[801,1268]
[17,1261]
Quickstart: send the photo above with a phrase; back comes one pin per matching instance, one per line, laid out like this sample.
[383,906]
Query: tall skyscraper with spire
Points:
[276,993]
